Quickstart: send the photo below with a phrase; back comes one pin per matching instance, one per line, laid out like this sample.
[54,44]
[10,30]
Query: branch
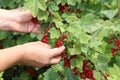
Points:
[103,75]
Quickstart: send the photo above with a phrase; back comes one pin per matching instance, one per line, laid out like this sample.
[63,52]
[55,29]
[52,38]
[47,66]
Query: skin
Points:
[35,54]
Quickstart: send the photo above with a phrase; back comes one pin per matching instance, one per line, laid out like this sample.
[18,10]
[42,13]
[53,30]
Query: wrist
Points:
[3,13]
[3,19]
[10,57]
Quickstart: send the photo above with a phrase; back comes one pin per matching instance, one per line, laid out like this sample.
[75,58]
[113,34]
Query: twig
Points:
[103,75]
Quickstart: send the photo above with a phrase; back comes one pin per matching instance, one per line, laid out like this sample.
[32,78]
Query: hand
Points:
[18,20]
[40,54]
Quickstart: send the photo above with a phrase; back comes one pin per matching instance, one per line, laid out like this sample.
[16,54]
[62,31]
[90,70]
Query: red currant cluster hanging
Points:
[45,37]
[35,20]
[64,7]
[75,71]
[65,57]
[32,72]
[115,49]
[87,71]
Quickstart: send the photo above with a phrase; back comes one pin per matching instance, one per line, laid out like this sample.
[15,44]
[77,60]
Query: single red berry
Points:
[110,41]
[59,43]
[73,56]
[78,11]
[81,75]
[47,29]
[63,54]
[46,34]
[85,62]
[62,76]
[35,20]
[117,43]
[114,50]
[44,40]
[64,36]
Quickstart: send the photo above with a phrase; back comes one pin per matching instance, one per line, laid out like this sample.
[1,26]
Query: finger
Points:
[57,51]
[55,60]
[46,45]
[36,29]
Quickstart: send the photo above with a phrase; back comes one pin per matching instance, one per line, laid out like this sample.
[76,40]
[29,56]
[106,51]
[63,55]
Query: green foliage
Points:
[1,75]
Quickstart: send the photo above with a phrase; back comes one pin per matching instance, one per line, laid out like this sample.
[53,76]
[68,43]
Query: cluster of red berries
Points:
[60,41]
[64,7]
[87,71]
[31,72]
[66,60]
[117,43]
[35,20]
[65,57]
[45,38]
[75,71]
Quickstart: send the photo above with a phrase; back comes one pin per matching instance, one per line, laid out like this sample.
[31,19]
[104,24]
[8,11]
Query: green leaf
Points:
[94,42]
[71,18]
[84,48]
[77,62]
[24,76]
[74,27]
[90,23]
[1,75]
[52,6]
[35,5]
[83,37]
[33,35]
[97,75]
[50,75]
[57,1]
[8,43]
[117,58]
[42,4]
[116,27]
[39,36]
[103,33]
[23,39]
[58,67]
[69,74]
[110,13]
[43,15]
[114,72]
[75,50]
[57,15]
[32,5]
[54,33]
[63,2]
[3,34]
[60,25]
[40,77]
[102,62]
[72,2]
[15,78]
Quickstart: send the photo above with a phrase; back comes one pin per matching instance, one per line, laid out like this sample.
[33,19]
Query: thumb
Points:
[57,51]
[55,60]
